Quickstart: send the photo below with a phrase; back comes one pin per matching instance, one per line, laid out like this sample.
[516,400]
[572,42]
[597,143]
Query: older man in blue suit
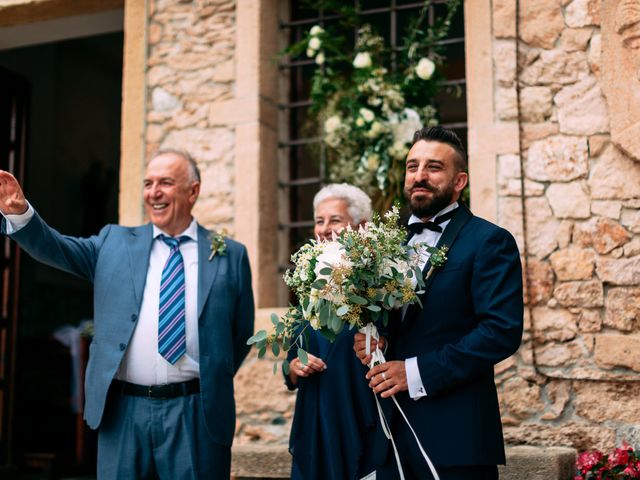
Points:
[443,354]
[173,310]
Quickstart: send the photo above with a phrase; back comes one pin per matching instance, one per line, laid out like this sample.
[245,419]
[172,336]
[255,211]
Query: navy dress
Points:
[335,416]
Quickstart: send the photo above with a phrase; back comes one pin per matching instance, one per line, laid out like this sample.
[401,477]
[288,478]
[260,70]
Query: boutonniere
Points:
[218,246]
[437,259]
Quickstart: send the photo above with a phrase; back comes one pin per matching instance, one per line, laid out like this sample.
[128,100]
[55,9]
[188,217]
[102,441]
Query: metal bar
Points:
[298,104]
[299,182]
[292,225]
[299,141]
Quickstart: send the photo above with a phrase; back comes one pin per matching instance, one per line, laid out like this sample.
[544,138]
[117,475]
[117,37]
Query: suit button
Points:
[123,346]
[134,317]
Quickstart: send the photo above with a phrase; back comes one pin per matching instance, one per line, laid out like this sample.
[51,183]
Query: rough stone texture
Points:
[535,104]
[632,248]
[504,61]
[569,200]
[580,294]
[575,39]
[594,55]
[603,234]
[582,109]
[521,398]
[579,434]
[623,308]
[540,281]
[541,22]
[507,103]
[541,227]
[573,263]
[630,218]
[554,324]
[590,321]
[504,19]
[530,132]
[581,13]
[558,158]
[614,176]
[625,271]
[559,354]
[620,63]
[559,394]
[260,461]
[613,401]
[555,67]
[606,208]
[536,463]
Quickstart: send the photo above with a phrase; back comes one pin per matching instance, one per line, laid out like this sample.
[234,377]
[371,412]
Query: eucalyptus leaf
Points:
[275,349]
[342,310]
[285,367]
[302,355]
[358,299]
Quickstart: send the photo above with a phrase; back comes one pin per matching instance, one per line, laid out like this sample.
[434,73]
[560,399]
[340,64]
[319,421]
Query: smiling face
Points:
[331,216]
[170,193]
[432,179]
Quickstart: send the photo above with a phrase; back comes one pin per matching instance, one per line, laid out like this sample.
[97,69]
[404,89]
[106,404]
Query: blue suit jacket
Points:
[116,262]
[472,318]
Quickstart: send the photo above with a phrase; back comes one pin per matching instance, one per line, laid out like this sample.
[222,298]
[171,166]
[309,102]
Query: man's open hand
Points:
[12,201]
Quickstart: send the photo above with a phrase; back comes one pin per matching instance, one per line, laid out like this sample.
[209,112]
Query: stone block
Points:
[260,461]
[590,320]
[558,158]
[569,200]
[538,463]
[580,294]
[557,324]
[541,22]
[623,271]
[573,263]
[614,401]
[504,61]
[530,132]
[575,39]
[504,18]
[623,308]
[554,354]
[601,233]
[580,435]
[594,54]
[630,218]
[606,208]
[582,13]
[582,109]
[506,103]
[535,104]
[540,281]
[521,398]
[614,176]
[555,67]
[541,227]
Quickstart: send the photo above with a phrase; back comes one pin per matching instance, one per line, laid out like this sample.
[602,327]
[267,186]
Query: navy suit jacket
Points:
[472,318]
[116,262]
[333,428]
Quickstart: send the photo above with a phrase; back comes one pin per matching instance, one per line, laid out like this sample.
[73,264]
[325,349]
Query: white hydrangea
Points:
[332,124]
[362,60]
[425,68]
[315,43]
[404,126]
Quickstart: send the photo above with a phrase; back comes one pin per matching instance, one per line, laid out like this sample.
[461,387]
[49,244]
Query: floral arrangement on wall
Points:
[368,98]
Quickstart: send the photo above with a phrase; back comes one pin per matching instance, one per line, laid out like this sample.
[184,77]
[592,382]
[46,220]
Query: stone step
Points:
[523,463]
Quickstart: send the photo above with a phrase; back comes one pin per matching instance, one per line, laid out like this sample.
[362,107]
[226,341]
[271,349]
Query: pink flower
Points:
[619,457]
[587,460]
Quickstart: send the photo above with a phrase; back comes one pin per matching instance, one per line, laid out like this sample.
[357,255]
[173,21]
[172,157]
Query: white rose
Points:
[316,30]
[373,162]
[362,60]
[310,52]
[376,129]
[314,322]
[359,122]
[332,256]
[367,114]
[315,43]
[332,123]
[320,58]
[425,68]
[404,129]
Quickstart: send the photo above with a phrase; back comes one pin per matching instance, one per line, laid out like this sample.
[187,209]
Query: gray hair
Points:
[194,171]
[358,202]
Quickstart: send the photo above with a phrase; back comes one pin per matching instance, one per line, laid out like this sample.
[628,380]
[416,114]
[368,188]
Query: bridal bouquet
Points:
[351,281]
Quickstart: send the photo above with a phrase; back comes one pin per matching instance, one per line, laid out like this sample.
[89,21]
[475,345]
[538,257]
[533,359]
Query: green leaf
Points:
[261,335]
[358,299]
[302,355]
[319,284]
[262,351]
[275,349]
[326,271]
[374,308]
[275,367]
[280,327]
[324,313]
[285,367]
[342,310]
[274,319]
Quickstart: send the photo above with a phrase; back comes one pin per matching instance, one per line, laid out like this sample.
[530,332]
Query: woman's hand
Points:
[298,369]
[360,343]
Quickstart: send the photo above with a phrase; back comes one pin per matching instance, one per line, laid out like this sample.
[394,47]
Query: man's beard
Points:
[424,207]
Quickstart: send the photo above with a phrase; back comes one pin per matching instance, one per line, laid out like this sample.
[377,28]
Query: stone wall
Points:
[571,84]
[190,70]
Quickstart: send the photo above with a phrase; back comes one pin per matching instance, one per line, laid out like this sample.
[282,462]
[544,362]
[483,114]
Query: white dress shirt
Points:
[430,238]
[142,364]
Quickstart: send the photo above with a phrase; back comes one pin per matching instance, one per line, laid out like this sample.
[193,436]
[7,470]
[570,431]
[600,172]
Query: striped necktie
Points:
[171,316]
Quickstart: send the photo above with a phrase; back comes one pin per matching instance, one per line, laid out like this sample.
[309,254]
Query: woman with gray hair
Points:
[335,416]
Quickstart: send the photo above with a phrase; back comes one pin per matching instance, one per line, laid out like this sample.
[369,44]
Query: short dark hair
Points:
[194,171]
[443,135]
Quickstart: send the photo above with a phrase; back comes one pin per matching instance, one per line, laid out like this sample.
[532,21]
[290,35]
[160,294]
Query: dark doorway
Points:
[72,158]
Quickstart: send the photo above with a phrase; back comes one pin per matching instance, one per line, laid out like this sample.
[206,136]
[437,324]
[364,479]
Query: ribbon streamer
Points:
[377,357]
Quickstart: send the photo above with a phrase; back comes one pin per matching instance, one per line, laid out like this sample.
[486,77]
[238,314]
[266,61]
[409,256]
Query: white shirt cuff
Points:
[416,388]
[16,222]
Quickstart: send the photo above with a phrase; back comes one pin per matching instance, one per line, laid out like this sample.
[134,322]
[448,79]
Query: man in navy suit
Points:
[442,355]
[171,324]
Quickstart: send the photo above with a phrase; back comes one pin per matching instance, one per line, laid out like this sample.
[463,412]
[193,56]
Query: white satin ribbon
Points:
[377,357]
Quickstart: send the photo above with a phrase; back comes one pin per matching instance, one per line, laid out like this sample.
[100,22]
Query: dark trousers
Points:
[415,466]
[158,439]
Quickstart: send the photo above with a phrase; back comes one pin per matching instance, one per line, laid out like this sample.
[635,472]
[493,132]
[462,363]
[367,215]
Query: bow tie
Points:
[418,227]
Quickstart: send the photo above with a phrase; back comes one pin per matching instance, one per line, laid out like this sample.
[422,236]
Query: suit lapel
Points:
[207,270]
[447,238]
[139,251]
